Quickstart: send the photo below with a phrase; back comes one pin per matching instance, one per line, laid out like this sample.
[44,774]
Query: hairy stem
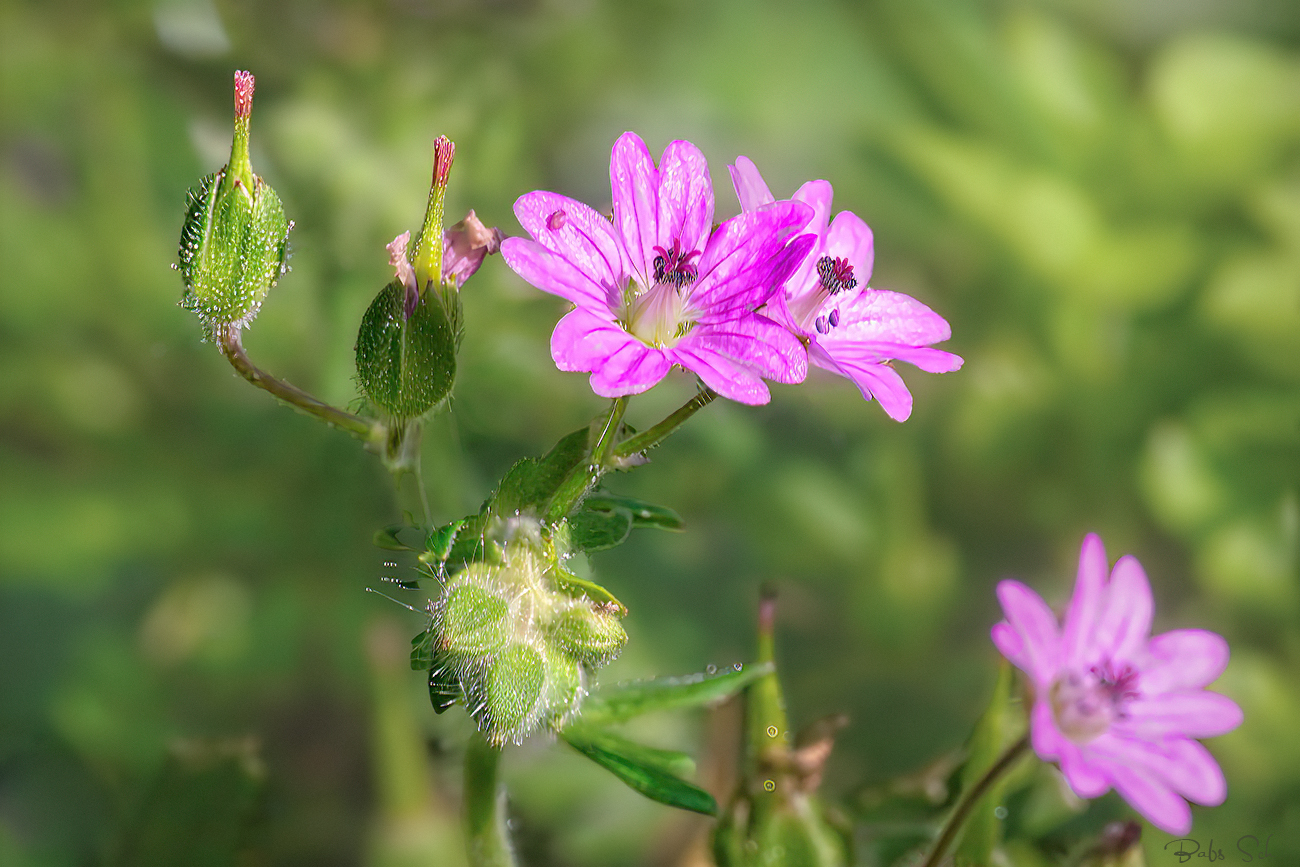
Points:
[647,440]
[486,840]
[232,346]
[969,798]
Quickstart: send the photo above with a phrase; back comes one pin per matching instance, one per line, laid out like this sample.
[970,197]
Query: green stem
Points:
[647,440]
[486,840]
[581,478]
[969,798]
[232,346]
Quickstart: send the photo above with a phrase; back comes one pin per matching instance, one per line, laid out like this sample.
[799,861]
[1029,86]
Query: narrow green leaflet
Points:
[388,540]
[575,586]
[652,772]
[643,514]
[624,701]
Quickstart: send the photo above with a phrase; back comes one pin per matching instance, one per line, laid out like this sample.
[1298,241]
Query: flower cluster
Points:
[1114,706]
[659,285]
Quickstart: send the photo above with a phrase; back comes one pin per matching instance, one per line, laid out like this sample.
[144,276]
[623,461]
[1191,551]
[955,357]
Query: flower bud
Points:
[514,638]
[235,241]
[406,347]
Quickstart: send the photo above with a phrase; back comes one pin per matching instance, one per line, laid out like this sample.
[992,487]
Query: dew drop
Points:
[1000,812]
[769,786]
[737,666]
[772,731]
[710,669]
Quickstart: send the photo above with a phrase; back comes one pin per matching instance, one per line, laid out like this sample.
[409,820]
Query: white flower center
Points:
[1085,704]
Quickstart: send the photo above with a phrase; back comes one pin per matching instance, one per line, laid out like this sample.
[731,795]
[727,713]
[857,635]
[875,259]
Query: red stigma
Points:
[243,93]
[444,151]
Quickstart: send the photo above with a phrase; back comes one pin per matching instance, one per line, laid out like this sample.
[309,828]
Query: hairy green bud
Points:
[235,241]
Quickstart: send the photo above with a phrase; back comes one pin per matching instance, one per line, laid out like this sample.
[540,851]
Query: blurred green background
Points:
[1102,198]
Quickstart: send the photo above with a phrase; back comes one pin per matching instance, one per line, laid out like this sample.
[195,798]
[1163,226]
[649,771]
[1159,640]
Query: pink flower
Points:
[1114,706]
[849,328]
[659,286]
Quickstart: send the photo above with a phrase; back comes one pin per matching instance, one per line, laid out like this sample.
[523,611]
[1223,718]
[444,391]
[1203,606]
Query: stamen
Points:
[673,266]
[836,274]
[834,318]
[821,325]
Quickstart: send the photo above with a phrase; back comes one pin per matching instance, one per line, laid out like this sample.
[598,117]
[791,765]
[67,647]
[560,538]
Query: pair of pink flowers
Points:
[748,300]
[1113,705]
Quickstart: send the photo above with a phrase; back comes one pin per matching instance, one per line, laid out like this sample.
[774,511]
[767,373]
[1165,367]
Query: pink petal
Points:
[1029,615]
[726,376]
[1085,604]
[736,262]
[634,368]
[878,316]
[1009,644]
[817,195]
[751,191]
[1088,779]
[685,197]
[873,379]
[634,183]
[1185,765]
[851,238]
[575,232]
[755,342]
[1125,619]
[1153,798]
[1046,739]
[582,340]
[552,273]
[1193,713]
[1183,659]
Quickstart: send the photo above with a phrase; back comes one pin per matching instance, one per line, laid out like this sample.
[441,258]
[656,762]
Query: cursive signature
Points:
[1249,848]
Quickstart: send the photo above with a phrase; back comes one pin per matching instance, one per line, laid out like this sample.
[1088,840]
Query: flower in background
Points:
[659,286]
[1114,706]
[849,328]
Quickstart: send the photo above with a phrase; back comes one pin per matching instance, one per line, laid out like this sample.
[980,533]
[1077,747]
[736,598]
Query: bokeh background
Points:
[1101,196]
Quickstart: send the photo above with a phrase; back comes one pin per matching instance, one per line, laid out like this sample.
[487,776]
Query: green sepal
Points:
[643,514]
[439,541]
[652,772]
[422,651]
[444,685]
[572,585]
[405,365]
[387,539]
[473,620]
[624,701]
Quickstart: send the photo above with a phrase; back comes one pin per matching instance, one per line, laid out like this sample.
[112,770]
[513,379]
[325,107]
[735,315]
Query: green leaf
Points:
[652,772]
[624,701]
[533,481]
[598,531]
[643,514]
[997,728]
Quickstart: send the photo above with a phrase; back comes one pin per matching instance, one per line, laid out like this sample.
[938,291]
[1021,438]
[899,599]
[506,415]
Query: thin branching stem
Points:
[971,797]
[232,347]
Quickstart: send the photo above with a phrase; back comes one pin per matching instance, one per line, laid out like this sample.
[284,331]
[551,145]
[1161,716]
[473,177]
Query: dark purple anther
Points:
[821,325]
[835,317]
[675,267]
[836,274]
[555,222]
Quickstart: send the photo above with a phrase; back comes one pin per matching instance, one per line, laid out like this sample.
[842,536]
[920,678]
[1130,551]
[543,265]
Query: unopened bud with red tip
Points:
[235,241]
[406,346]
